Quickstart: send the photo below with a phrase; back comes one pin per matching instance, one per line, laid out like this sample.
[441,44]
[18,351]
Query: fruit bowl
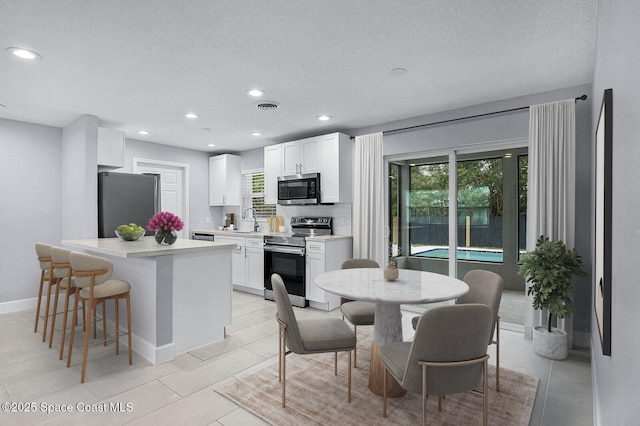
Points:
[130,232]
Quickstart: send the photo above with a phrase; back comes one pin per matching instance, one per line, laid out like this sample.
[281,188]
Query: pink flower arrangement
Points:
[165,221]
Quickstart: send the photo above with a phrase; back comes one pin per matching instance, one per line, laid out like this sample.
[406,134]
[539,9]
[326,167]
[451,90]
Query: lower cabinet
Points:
[238,273]
[254,265]
[324,256]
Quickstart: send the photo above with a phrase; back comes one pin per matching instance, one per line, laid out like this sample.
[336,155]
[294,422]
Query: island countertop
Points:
[144,247]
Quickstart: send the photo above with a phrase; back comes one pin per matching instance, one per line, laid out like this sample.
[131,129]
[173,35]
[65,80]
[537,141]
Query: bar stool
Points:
[63,274]
[91,275]
[44,258]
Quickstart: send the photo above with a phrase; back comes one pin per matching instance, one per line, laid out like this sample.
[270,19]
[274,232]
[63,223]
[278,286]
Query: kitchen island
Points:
[180,294]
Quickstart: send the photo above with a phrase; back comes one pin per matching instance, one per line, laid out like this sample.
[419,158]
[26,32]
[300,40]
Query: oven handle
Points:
[287,250]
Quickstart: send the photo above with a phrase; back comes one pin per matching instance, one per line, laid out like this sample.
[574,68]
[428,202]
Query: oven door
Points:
[289,263]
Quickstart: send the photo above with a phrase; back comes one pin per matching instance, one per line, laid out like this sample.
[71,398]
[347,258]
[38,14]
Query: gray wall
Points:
[503,127]
[31,200]
[616,66]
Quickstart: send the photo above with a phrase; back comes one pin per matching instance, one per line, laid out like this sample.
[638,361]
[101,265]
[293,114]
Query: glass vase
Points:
[166,237]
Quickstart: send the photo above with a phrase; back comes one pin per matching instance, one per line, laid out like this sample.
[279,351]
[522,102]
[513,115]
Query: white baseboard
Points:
[18,305]
[155,355]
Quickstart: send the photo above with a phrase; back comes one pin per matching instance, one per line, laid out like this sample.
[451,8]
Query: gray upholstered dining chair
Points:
[442,360]
[484,287]
[358,312]
[308,336]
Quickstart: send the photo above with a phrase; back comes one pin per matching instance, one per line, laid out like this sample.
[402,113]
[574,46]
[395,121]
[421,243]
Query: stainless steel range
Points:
[284,254]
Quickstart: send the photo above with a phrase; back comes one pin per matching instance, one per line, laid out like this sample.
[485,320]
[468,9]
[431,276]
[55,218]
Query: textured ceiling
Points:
[142,64]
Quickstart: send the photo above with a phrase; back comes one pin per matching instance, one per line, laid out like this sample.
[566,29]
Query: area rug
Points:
[315,396]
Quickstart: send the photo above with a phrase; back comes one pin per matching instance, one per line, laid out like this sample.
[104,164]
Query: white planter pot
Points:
[552,345]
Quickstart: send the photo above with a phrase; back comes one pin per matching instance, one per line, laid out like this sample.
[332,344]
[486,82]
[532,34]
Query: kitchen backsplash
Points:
[341,214]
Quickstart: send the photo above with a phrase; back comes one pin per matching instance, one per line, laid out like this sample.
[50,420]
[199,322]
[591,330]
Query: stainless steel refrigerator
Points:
[126,198]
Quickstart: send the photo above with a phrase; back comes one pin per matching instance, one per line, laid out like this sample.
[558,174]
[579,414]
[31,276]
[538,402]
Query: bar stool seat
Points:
[107,289]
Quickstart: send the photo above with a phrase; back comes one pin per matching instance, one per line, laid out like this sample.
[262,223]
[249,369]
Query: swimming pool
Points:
[477,255]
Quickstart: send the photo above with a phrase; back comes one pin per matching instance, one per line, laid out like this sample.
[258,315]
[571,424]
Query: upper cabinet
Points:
[225,179]
[110,149]
[330,155]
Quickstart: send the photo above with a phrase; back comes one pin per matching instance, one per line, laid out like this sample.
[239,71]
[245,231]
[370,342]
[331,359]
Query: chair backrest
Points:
[359,263]
[446,334]
[484,287]
[286,314]
[60,256]
[81,262]
[44,252]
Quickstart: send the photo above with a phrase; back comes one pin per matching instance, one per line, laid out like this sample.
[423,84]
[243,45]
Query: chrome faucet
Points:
[255,219]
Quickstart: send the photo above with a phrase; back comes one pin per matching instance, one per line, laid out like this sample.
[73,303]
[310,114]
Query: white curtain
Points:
[368,200]
[551,187]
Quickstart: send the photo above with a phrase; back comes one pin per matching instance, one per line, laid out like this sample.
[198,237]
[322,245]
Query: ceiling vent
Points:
[267,105]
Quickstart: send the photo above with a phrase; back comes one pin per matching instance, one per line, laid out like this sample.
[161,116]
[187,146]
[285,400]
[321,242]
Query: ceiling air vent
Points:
[267,105]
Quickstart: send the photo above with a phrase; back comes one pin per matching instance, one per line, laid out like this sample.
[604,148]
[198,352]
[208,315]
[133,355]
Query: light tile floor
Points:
[181,391]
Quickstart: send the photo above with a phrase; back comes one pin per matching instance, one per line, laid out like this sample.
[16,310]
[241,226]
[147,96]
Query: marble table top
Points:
[410,287]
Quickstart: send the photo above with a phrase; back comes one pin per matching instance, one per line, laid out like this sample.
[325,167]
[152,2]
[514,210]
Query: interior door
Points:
[171,196]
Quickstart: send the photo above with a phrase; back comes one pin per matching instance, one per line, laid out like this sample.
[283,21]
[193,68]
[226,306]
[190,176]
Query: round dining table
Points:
[411,287]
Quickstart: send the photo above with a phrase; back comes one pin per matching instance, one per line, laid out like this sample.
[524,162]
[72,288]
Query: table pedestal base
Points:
[387,328]
[376,377]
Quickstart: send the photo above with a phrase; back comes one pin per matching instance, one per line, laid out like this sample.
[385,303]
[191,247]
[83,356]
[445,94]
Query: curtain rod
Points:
[579,98]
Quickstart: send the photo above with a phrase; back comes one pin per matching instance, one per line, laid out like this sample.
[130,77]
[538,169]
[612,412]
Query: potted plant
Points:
[550,269]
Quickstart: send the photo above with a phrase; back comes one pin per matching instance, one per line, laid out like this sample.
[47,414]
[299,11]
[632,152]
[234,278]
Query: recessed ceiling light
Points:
[211,145]
[398,71]
[23,53]
[324,117]
[256,134]
[143,132]
[190,115]
[255,92]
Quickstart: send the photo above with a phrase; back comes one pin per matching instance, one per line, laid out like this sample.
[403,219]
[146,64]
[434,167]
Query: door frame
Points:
[184,167]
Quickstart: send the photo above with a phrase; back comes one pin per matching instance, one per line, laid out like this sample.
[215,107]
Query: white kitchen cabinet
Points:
[300,157]
[324,256]
[238,268]
[254,265]
[330,155]
[225,180]
[110,149]
[272,169]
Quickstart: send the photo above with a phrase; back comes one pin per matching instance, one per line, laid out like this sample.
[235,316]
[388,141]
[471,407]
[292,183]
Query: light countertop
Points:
[251,234]
[144,247]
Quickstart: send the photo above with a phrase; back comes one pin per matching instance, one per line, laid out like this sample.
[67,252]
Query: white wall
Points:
[31,200]
[616,66]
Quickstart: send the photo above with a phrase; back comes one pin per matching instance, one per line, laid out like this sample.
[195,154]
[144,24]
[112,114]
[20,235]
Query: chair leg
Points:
[129,328]
[424,396]
[335,363]
[384,393]
[46,311]
[35,328]
[284,368]
[485,389]
[117,301]
[92,306]
[349,376]
[64,321]
[104,322]
[439,402]
[74,321]
[355,349]
[498,354]
[55,312]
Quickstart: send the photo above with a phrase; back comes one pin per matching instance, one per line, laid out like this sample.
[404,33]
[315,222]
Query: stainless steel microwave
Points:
[299,189]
